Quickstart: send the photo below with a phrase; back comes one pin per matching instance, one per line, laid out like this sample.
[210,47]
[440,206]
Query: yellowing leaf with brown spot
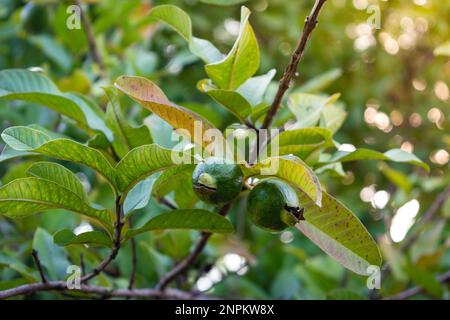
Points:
[150,96]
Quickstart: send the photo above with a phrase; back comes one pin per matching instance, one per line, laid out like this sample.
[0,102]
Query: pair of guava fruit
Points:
[272,204]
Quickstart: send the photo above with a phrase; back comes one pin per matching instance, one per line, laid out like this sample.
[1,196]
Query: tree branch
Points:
[187,262]
[125,293]
[416,290]
[310,23]
[116,246]
[37,261]
[427,216]
[133,261]
[90,37]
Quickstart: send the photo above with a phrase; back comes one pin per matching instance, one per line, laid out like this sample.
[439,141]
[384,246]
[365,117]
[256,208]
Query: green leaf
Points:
[180,21]
[167,181]
[241,62]
[320,82]
[426,280]
[31,140]
[174,17]
[253,89]
[179,181]
[396,177]
[205,50]
[231,100]
[53,50]
[195,219]
[443,49]
[57,173]
[151,97]
[139,195]
[333,117]
[308,108]
[339,233]
[224,2]
[66,237]
[51,256]
[26,196]
[291,169]
[302,142]
[126,137]
[344,294]
[396,155]
[140,163]
[18,84]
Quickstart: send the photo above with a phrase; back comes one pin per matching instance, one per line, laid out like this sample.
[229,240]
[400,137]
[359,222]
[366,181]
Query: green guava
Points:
[273,205]
[217,182]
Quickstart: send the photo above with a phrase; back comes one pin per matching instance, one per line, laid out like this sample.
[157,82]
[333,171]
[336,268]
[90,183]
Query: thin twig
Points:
[102,291]
[310,23]
[37,261]
[416,290]
[427,216]
[168,203]
[133,261]
[116,246]
[187,262]
[90,37]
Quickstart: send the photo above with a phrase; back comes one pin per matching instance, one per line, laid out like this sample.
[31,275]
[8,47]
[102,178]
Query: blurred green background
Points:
[393,80]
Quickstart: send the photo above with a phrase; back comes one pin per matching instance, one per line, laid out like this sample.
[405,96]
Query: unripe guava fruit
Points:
[217,182]
[272,205]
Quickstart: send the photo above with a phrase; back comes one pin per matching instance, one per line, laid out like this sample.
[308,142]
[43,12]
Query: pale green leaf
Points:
[396,155]
[241,62]
[205,50]
[302,142]
[253,89]
[307,108]
[443,49]
[320,82]
[333,117]
[339,233]
[139,195]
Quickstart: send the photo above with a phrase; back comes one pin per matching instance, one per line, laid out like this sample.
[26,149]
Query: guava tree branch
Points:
[443,278]
[38,264]
[90,37]
[102,291]
[116,245]
[310,23]
[187,262]
[427,216]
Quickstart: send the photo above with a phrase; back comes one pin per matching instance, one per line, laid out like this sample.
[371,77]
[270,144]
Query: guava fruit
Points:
[273,205]
[215,181]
